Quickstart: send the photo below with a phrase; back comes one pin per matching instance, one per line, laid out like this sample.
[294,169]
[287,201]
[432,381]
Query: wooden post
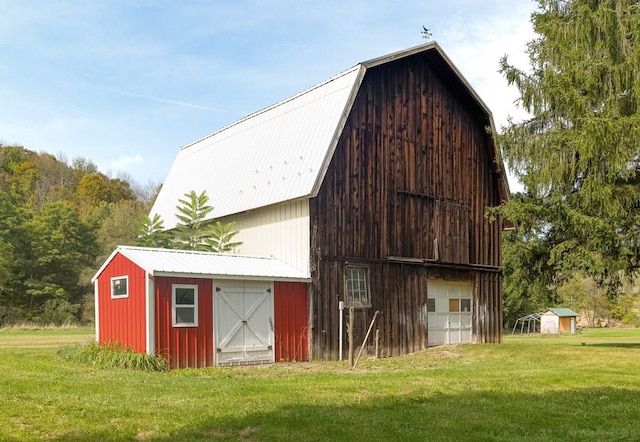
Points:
[350,334]
[377,343]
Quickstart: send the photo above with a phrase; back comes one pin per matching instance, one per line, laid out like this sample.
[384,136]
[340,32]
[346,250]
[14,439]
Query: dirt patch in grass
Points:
[431,357]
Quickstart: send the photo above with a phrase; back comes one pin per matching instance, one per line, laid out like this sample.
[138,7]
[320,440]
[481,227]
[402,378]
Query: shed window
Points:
[184,304]
[357,287]
[120,287]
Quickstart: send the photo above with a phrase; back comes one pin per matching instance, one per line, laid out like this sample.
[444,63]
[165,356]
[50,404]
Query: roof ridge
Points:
[275,105]
[193,252]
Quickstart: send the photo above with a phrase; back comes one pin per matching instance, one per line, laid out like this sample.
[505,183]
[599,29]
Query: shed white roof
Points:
[188,263]
[280,153]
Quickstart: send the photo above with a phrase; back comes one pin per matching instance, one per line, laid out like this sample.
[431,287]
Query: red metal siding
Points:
[122,320]
[291,320]
[184,346]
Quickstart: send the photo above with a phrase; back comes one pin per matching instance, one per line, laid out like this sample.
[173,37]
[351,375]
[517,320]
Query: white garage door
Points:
[243,322]
[449,312]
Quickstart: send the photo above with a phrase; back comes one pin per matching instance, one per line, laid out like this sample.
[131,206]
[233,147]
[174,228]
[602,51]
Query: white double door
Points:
[243,322]
[449,310]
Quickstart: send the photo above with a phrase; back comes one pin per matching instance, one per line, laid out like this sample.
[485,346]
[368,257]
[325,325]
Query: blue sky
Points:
[126,83]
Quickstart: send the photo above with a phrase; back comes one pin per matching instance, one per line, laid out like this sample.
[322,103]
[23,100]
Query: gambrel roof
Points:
[282,152]
[189,263]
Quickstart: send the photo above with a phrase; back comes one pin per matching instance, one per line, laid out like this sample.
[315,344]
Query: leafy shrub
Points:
[113,355]
[9,316]
[58,312]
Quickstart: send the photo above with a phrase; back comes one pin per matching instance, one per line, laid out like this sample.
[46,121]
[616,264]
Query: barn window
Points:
[184,305]
[120,287]
[357,287]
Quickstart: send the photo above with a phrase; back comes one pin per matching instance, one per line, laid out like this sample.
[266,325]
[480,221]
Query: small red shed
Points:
[200,309]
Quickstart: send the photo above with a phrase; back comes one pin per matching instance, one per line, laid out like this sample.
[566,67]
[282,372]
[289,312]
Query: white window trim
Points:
[174,305]
[126,295]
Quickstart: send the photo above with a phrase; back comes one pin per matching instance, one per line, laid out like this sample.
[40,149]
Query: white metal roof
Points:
[273,155]
[188,263]
[280,153]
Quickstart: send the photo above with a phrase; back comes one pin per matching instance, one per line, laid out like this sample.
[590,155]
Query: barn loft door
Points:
[448,312]
[243,313]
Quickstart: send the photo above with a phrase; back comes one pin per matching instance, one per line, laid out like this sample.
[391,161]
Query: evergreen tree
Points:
[578,154]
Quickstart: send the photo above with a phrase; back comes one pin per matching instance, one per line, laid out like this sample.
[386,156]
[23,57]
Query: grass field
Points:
[529,388]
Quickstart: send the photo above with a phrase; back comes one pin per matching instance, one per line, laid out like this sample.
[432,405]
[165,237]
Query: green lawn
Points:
[529,388]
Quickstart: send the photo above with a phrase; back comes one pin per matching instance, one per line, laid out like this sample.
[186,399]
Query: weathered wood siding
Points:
[406,194]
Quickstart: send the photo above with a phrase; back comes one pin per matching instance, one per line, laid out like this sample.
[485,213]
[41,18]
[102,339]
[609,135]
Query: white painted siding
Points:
[282,231]
[549,324]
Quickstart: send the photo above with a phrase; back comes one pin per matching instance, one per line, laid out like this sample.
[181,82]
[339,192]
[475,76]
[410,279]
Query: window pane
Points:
[119,287]
[431,305]
[185,315]
[356,286]
[185,296]
[454,305]
[465,305]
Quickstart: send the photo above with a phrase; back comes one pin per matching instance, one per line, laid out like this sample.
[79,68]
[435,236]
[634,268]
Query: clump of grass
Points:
[112,355]
[32,326]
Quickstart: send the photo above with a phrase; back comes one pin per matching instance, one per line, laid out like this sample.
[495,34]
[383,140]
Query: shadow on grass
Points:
[614,344]
[586,414]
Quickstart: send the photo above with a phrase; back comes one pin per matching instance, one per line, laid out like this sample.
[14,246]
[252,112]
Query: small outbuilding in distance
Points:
[557,320]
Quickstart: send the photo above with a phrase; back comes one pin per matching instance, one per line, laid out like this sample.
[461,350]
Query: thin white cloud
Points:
[168,101]
[126,162]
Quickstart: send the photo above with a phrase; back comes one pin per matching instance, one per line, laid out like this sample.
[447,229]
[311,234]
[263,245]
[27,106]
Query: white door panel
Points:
[243,322]
[448,324]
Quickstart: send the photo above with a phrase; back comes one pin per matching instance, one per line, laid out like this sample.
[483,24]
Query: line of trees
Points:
[59,221]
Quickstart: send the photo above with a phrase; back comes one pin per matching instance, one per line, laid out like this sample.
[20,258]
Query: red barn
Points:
[200,309]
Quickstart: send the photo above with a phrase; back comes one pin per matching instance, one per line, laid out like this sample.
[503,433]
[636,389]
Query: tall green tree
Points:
[192,231]
[221,239]
[578,153]
[14,244]
[151,233]
[120,226]
[61,247]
